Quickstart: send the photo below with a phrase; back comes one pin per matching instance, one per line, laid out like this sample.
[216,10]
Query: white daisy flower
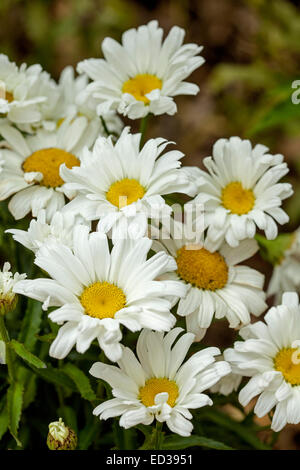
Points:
[217,285]
[143,74]
[241,191]
[30,166]
[227,384]
[7,284]
[286,272]
[24,92]
[123,186]
[269,355]
[158,385]
[70,88]
[48,88]
[98,291]
[40,232]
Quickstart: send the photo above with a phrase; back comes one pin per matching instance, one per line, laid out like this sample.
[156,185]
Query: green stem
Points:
[9,357]
[143,127]
[106,130]
[158,436]
[61,395]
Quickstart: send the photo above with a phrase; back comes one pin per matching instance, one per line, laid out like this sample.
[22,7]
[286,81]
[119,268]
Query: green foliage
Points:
[31,324]
[81,380]
[273,250]
[88,433]
[20,349]
[3,421]
[56,377]
[14,408]
[177,442]
[230,430]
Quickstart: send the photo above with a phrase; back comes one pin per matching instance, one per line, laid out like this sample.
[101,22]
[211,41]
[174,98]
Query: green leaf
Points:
[30,390]
[31,324]
[20,349]
[273,250]
[55,376]
[14,408]
[46,338]
[69,417]
[177,442]
[224,421]
[3,421]
[29,379]
[81,380]
[88,433]
[146,430]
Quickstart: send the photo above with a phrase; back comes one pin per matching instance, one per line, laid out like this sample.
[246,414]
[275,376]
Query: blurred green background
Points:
[251,47]
[252,52]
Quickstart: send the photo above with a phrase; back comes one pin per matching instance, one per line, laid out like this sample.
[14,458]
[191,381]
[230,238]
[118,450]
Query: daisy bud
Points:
[61,437]
[8,299]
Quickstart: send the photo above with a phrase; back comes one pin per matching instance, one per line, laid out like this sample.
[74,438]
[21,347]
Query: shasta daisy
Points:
[269,356]
[144,74]
[123,186]
[241,191]
[97,291]
[30,166]
[217,285]
[159,384]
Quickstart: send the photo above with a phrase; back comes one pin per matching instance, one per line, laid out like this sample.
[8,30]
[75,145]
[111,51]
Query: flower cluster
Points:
[115,259]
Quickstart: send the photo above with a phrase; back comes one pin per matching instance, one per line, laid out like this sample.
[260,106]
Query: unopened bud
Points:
[8,299]
[61,437]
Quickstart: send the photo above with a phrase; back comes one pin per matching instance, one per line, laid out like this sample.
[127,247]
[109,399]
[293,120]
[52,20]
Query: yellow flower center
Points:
[9,96]
[125,192]
[237,199]
[141,85]
[102,300]
[59,122]
[201,268]
[287,361]
[154,386]
[47,162]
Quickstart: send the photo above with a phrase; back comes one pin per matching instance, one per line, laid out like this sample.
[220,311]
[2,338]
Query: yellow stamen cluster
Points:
[154,386]
[201,268]
[287,362]
[102,300]
[48,162]
[9,96]
[125,192]
[141,85]
[237,199]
